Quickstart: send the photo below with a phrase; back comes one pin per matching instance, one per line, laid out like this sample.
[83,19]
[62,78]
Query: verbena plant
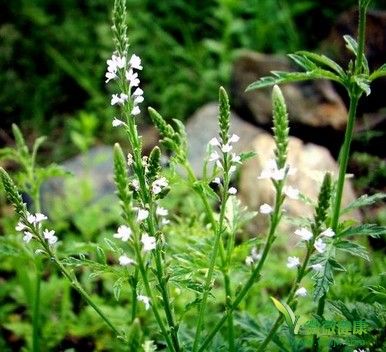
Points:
[142,245]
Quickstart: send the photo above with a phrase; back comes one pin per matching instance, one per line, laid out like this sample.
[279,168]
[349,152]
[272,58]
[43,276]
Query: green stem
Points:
[134,296]
[255,275]
[36,309]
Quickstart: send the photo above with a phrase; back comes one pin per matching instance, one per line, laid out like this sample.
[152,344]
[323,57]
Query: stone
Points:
[311,162]
[202,126]
[314,103]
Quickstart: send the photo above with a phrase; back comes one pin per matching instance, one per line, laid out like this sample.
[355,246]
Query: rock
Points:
[202,126]
[313,104]
[311,162]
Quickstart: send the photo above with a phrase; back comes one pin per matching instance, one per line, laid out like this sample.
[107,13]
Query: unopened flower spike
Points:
[280,126]
[224,117]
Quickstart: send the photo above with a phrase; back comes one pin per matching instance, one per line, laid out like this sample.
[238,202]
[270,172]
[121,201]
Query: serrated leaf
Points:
[323,60]
[371,230]
[352,45]
[353,248]
[380,72]
[247,155]
[280,77]
[325,277]
[117,287]
[286,311]
[363,83]
[303,62]
[364,201]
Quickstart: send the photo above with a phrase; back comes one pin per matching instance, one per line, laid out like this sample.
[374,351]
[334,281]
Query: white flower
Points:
[27,236]
[135,111]
[158,185]
[161,211]
[232,190]
[117,122]
[138,92]
[50,236]
[214,142]
[123,233]
[265,209]
[113,64]
[232,169]
[218,164]
[226,148]
[39,217]
[304,234]
[138,99]
[142,214]
[31,218]
[148,242]
[302,292]
[124,260]
[236,158]
[217,180]
[135,184]
[249,261]
[234,138]
[214,156]
[20,226]
[110,75]
[119,99]
[135,62]
[271,171]
[320,246]
[130,159]
[145,300]
[255,255]
[291,192]
[328,233]
[293,262]
[132,78]
[317,267]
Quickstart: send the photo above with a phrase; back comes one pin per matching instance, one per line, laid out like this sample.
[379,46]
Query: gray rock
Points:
[311,162]
[202,126]
[314,104]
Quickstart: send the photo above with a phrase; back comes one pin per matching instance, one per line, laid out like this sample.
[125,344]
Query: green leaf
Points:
[280,77]
[12,193]
[117,287]
[371,230]
[363,83]
[352,45]
[303,62]
[323,60]
[380,72]
[364,201]
[20,142]
[203,187]
[286,311]
[247,155]
[135,336]
[353,248]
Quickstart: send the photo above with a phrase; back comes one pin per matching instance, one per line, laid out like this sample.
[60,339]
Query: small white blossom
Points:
[317,267]
[135,62]
[320,246]
[123,233]
[234,138]
[27,237]
[161,211]
[217,180]
[138,99]
[158,185]
[110,75]
[39,217]
[214,156]
[50,236]
[214,142]
[265,209]
[232,169]
[148,242]
[135,111]
[138,92]
[226,148]
[135,184]
[142,214]
[218,164]
[249,260]
[132,78]
[291,192]
[145,300]
[20,226]
[124,260]
[232,190]
[255,255]
[236,158]
[293,262]
[304,234]
[328,233]
[119,99]
[117,122]
[130,159]
[301,292]
[271,171]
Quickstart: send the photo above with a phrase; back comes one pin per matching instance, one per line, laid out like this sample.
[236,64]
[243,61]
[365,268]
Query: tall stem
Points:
[36,309]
